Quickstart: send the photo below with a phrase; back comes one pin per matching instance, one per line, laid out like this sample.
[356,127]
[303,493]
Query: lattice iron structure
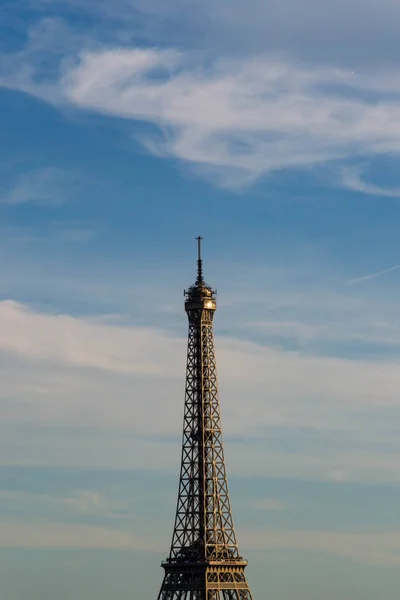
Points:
[204,561]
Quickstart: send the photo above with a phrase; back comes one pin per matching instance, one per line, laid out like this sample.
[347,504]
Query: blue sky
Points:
[273,130]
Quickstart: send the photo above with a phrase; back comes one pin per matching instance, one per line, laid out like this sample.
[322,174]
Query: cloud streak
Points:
[375,275]
[352,180]
[47,186]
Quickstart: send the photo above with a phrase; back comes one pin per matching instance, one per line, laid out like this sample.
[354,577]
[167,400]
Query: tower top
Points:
[200,295]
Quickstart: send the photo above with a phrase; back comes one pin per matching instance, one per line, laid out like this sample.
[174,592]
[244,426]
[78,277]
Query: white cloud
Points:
[253,115]
[95,344]
[239,119]
[233,120]
[73,341]
[119,392]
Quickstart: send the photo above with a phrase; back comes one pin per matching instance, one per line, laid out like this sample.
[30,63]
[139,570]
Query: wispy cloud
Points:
[68,340]
[115,348]
[49,186]
[241,117]
[351,178]
[375,275]
[61,371]
[233,120]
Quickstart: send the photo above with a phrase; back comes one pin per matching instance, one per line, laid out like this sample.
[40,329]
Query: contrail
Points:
[373,275]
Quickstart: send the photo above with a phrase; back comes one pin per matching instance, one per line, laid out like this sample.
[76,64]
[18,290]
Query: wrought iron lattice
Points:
[204,561]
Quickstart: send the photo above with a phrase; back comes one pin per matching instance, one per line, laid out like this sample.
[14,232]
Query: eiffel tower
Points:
[204,561]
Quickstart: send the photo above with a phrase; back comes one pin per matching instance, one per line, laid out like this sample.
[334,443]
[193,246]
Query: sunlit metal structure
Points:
[204,561]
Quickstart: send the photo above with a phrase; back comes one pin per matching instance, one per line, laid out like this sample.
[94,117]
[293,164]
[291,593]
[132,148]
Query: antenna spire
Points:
[199,261]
